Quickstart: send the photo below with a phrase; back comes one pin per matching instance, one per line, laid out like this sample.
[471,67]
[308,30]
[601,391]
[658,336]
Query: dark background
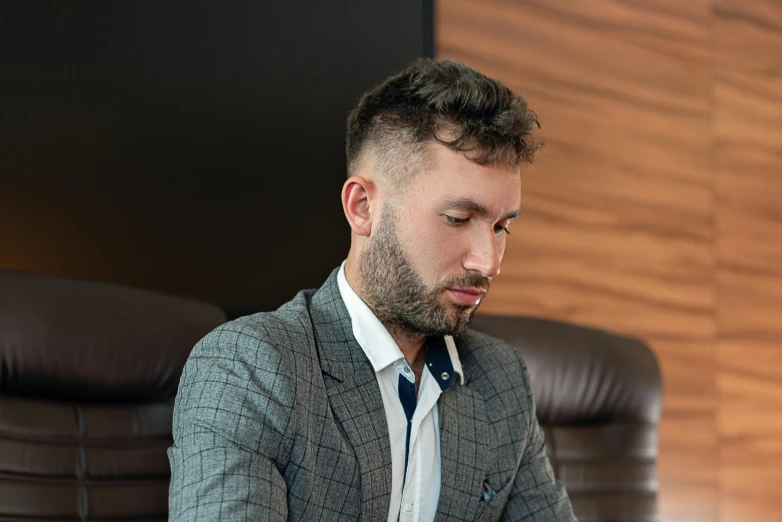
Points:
[195,148]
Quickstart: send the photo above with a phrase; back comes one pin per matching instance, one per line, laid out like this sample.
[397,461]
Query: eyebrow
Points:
[468,204]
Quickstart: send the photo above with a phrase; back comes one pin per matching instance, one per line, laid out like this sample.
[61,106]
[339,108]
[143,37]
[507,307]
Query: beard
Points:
[397,294]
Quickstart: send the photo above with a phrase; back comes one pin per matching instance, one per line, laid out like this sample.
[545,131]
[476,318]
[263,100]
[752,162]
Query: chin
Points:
[463,319]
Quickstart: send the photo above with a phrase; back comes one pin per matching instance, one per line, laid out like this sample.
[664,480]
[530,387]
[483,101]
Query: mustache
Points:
[468,280]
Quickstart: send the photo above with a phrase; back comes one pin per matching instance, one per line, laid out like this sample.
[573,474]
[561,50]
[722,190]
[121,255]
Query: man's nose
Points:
[485,256]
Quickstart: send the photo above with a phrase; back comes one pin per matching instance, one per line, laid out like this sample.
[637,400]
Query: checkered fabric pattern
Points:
[279,417]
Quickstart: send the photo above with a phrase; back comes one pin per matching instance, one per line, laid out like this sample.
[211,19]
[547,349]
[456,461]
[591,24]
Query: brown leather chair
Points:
[88,373]
[598,397]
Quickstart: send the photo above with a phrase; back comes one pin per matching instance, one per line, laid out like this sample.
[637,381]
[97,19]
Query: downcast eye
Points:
[499,229]
[455,220]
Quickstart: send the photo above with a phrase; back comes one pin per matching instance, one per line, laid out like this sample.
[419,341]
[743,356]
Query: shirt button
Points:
[409,507]
[407,369]
[445,376]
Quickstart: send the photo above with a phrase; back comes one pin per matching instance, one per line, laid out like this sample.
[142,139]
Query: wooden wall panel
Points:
[688,465]
[748,166]
[617,228]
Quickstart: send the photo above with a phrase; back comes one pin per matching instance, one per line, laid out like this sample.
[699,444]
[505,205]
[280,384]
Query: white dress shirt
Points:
[414,496]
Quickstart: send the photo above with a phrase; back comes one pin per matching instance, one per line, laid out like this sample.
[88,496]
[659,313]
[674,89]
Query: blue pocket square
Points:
[488,493]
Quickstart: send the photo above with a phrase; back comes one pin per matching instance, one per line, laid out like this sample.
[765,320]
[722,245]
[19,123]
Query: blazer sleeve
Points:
[232,433]
[536,495]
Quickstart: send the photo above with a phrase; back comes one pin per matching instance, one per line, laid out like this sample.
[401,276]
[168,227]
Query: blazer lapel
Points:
[463,449]
[354,396]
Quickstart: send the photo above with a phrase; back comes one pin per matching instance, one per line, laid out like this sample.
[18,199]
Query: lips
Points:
[467,296]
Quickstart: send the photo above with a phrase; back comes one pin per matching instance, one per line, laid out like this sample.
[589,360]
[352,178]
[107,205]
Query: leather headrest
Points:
[580,374]
[64,339]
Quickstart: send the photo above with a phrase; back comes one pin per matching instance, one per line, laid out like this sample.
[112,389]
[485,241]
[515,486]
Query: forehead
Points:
[450,175]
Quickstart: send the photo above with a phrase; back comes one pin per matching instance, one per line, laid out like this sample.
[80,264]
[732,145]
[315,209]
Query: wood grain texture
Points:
[688,466]
[654,210]
[748,169]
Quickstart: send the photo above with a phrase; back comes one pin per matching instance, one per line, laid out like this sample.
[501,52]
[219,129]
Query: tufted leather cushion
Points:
[598,397]
[88,374]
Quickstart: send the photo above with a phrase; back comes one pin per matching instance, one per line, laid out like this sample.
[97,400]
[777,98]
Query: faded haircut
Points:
[439,101]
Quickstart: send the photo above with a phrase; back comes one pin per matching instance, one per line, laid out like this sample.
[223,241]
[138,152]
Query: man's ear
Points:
[357,195]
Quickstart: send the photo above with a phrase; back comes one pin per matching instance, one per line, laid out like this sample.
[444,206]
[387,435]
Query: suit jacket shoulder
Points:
[288,331]
[240,381]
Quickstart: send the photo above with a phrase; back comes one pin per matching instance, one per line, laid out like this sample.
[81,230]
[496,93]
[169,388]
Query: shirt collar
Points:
[378,345]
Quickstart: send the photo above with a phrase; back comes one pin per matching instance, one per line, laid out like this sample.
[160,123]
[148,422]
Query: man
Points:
[369,399]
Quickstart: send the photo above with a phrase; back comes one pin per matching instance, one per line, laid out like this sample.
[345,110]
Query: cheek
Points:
[435,248]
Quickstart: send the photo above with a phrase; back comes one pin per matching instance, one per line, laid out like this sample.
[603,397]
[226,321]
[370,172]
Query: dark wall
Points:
[191,147]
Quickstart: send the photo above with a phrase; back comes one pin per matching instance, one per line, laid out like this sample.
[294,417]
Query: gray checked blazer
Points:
[279,417]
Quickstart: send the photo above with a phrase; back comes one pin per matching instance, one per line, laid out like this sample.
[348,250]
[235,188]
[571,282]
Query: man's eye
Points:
[499,229]
[455,220]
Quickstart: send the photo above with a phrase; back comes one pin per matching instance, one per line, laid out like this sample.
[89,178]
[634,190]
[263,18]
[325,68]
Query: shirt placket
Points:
[436,378]
[408,399]
[412,490]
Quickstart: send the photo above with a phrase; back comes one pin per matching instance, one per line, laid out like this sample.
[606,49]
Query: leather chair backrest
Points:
[88,375]
[598,397]
[89,371]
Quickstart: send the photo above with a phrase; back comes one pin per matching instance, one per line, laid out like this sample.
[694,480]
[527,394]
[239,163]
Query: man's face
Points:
[435,249]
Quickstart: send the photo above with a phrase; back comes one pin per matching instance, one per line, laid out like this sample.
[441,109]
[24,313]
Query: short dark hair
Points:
[432,98]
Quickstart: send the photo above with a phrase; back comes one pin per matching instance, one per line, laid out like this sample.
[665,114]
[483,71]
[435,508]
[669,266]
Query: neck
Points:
[410,344]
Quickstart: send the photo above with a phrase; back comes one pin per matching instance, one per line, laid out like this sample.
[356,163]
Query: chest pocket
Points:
[491,502]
